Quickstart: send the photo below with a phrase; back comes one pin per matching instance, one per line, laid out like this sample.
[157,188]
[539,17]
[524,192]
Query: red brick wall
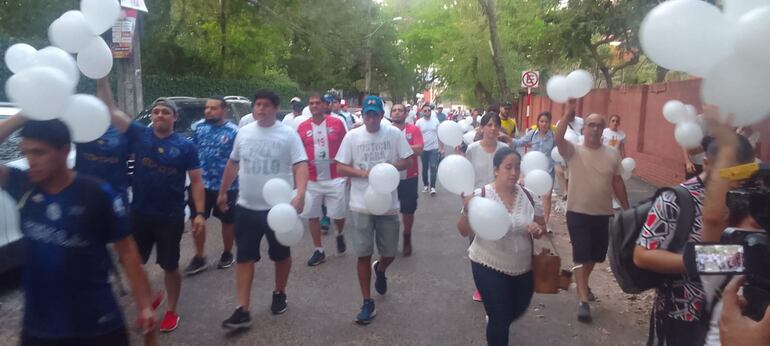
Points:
[650,138]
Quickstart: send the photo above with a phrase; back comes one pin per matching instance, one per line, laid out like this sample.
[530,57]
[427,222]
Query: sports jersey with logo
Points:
[321,142]
[214,143]
[66,284]
[105,158]
[414,137]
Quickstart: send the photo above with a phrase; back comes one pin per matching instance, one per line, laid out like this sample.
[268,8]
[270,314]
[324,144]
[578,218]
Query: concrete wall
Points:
[650,138]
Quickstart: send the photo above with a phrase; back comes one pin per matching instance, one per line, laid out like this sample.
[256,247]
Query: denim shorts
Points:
[370,228]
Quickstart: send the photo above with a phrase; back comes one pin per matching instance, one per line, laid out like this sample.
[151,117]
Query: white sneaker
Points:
[425,189]
[433,191]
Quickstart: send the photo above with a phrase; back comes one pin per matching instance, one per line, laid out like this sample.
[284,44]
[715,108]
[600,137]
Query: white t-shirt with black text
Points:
[363,150]
[264,153]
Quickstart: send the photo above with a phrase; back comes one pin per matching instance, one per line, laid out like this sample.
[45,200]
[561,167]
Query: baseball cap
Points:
[166,103]
[373,103]
[295,99]
[328,98]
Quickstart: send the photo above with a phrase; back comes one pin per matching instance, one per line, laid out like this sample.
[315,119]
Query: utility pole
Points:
[368,48]
[129,70]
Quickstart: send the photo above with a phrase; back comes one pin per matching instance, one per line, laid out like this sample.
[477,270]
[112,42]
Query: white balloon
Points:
[556,155]
[292,237]
[685,35]
[534,160]
[19,56]
[489,219]
[674,111]
[688,135]
[690,113]
[307,198]
[377,203]
[100,14]
[282,218]
[95,60]
[738,88]
[752,37]
[465,126]
[735,9]
[59,59]
[571,136]
[70,32]
[384,178]
[277,191]
[450,133]
[557,89]
[41,92]
[469,137]
[539,181]
[87,117]
[456,174]
[579,83]
[628,164]
[626,175]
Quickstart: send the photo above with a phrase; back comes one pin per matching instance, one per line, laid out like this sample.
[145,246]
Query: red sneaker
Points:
[170,322]
[159,298]
[477,296]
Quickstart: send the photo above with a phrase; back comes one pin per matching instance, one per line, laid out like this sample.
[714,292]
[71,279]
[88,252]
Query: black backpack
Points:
[625,228]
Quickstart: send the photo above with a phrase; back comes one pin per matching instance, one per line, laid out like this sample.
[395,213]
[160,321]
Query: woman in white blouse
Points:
[613,137]
[502,269]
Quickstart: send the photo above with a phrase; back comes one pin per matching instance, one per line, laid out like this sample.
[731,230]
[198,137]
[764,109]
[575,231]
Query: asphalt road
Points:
[428,300]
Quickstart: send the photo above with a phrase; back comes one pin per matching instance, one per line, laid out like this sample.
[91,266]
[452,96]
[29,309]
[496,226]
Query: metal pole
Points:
[529,102]
[368,77]
[129,71]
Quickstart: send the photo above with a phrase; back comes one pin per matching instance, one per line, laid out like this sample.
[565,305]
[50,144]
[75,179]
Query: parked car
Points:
[10,234]
[191,110]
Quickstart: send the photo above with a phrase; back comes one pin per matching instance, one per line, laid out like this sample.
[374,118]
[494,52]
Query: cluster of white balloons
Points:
[383,180]
[688,132]
[728,48]
[44,81]
[572,86]
[450,133]
[282,217]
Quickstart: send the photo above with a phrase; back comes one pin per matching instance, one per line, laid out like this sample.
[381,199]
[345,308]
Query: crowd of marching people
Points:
[68,216]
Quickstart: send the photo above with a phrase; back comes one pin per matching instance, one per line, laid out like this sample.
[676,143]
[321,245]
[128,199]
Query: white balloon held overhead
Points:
[688,135]
[100,14]
[41,92]
[579,83]
[87,117]
[488,219]
[377,203]
[19,56]
[70,32]
[450,133]
[534,160]
[674,111]
[277,191]
[456,174]
[752,38]
[738,88]
[384,178]
[282,218]
[95,60]
[557,89]
[292,237]
[539,181]
[59,59]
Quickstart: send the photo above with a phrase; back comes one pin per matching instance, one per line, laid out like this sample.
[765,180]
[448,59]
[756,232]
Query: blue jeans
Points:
[430,160]
[505,299]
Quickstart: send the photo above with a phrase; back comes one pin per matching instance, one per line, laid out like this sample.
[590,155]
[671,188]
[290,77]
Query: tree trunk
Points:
[223,30]
[488,6]
[660,74]
[607,76]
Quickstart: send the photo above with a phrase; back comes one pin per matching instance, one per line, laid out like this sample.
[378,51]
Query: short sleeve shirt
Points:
[214,143]
[429,128]
[66,265]
[413,137]
[321,143]
[508,126]
[613,138]
[591,172]
[160,171]
[363,150]
[105,158]
[264,153]
[482,163]
[683,297]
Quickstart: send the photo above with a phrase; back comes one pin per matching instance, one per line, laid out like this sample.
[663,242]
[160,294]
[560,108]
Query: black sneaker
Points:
[584,313]
[240,319]
[341,247]
[279,305]
[226,261]
[197,265]
[317,258]
[367,312]
[381,282]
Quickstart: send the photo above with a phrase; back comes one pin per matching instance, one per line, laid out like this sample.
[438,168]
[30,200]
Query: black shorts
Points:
[164,231]
[407,195]
[119,337]
[210,206]
[590,236]
[250,227]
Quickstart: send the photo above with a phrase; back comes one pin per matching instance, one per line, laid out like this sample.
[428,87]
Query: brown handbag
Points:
[546,270]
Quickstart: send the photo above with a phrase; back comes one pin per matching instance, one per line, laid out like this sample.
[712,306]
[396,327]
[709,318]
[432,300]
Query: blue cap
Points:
[373,103]
[328,98]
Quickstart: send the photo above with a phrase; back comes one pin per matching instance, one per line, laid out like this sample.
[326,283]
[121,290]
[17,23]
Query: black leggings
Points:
[505,299]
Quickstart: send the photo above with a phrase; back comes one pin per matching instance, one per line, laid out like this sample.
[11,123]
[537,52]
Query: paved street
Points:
[428,301]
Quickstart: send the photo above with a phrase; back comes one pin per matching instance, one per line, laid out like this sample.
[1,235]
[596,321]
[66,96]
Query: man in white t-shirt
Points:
[361,149]
[263,150]
[430,156]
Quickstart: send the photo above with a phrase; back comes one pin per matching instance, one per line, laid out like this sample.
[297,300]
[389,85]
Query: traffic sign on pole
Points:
[530,79]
